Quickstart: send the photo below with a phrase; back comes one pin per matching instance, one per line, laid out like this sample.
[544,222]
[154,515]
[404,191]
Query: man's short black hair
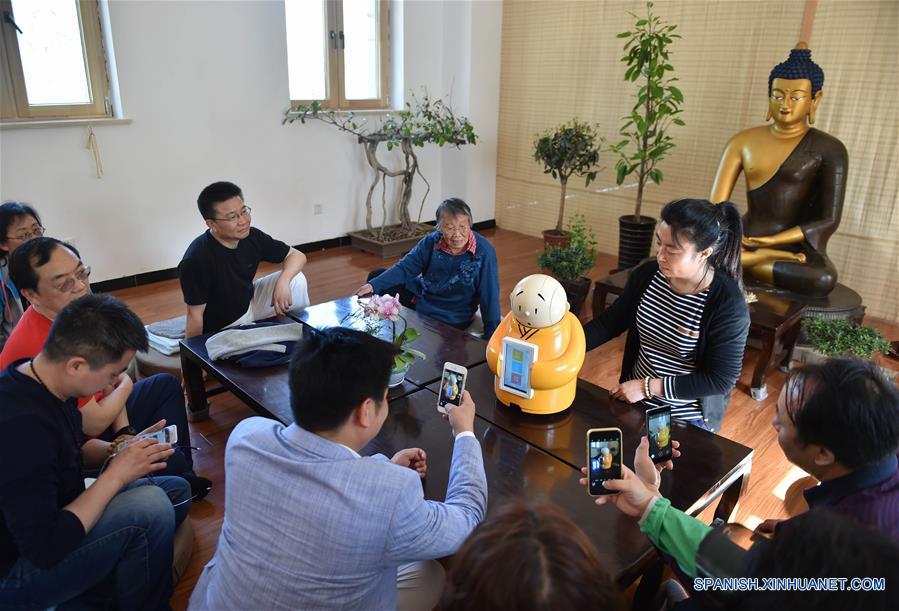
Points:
[847,406]
[34,253]
[98,328]
[333,371]
[216,193]
[823,544]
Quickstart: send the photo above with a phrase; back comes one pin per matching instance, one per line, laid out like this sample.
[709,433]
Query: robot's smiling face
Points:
[539,301]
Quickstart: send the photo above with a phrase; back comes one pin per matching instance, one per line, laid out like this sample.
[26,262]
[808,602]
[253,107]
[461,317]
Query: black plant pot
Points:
[634,239]
[577,292]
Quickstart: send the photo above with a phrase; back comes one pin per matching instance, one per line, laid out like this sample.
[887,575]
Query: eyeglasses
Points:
[234,216]
[68,284]
[461,230]
[24,236]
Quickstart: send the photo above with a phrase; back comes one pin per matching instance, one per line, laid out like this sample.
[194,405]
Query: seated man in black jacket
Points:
[59,543]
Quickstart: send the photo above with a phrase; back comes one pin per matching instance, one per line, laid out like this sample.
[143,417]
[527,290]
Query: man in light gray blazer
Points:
[309,524]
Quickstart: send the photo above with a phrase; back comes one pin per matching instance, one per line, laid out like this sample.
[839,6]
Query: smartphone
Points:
[451,386]
[604,450]
[167,435]
[658,432]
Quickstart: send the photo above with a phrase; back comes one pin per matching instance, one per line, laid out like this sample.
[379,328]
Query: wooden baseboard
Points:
[105,286]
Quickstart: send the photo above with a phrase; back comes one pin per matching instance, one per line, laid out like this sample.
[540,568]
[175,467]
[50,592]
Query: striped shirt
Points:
[668,324]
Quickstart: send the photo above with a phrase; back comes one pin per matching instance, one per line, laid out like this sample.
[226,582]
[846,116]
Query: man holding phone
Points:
[341,531]
[60,543]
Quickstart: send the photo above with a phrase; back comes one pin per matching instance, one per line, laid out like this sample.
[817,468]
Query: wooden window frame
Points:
[14,102]
[334,62]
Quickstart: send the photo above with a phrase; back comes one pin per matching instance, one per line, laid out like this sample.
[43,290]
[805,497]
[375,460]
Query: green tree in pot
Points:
[569,149]
[569,263]
[826,337]
[646,129]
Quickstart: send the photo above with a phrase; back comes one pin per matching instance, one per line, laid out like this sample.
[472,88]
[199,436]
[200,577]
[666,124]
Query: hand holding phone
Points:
[167,435]
[604,448]
[452,385]
[628,493]
[658,432]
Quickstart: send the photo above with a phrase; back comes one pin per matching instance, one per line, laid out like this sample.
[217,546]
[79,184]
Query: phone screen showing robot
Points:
[658,432]
[451,386]
[517,360]
[604,458]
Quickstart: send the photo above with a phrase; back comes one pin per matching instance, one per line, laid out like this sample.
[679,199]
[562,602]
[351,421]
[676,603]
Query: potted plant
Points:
[569,149]
[569,263]
[424,121]
[374,312]
[840,337]
[646,139]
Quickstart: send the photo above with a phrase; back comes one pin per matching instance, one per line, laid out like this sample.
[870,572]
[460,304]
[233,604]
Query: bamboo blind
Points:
[561,60]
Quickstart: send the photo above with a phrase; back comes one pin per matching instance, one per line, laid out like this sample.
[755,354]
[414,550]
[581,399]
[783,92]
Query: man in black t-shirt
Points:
[218,268]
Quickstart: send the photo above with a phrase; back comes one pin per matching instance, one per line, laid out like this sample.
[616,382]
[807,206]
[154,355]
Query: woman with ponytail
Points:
[685,315]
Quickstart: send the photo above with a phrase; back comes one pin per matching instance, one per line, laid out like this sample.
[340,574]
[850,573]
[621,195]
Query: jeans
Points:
[125,560]
[156,398]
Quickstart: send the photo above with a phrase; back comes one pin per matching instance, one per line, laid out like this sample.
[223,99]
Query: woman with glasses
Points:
[448,275]
[18,224]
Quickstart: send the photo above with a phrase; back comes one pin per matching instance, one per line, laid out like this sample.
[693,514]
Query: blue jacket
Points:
[309,524]
[449,288]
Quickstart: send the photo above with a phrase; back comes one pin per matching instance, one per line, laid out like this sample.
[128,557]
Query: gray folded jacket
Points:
[172,328]
[231,342]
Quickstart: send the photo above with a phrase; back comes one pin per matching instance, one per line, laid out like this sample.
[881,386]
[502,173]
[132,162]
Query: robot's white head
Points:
[539,301]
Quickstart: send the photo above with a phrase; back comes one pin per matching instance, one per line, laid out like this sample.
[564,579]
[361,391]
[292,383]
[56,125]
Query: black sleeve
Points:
[194,278]
[29,486]
[615,319]
[270,249]
[719,366]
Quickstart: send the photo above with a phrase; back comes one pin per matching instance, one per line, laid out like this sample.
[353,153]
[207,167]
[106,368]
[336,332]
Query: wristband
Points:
[125,430]
[646,393]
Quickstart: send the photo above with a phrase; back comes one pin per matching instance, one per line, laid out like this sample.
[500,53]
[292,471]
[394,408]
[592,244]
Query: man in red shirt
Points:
[52,275]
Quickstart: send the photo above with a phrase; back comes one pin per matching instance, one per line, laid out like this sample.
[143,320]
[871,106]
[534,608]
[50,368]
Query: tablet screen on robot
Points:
[518,357]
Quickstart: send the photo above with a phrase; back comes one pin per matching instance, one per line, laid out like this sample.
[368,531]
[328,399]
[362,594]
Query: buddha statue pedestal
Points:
[841,303]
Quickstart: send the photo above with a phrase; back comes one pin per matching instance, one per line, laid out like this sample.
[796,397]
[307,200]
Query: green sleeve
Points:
[675,533]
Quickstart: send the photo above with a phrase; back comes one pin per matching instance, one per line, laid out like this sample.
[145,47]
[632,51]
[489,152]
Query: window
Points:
[338,52]
[53,62]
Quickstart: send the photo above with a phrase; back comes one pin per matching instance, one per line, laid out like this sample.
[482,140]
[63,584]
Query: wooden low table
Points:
[439,341]
[777,320]
[712,467]
[264,390]
[536,459]
[774,317]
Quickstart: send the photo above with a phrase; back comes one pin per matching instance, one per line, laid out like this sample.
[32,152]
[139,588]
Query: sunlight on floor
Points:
[751,522]
[780,490]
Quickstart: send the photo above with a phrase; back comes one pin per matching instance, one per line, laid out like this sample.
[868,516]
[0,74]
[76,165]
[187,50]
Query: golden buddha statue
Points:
[795,181]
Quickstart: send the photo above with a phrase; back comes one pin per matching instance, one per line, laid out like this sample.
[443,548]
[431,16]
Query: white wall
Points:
[205,84]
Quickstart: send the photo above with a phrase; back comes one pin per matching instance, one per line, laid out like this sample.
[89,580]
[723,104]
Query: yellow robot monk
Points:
[538,349]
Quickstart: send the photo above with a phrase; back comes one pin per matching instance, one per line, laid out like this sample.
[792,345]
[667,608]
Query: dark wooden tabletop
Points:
[707,459]
[264,389]
[440,342]
[536,458]
[514,469]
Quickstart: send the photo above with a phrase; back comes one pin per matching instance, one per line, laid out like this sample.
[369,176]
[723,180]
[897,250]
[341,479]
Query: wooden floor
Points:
[774,488]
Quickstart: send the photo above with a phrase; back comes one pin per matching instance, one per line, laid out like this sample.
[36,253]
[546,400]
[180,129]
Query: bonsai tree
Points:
[646,139]
[424,121]
[841,337]
[572,262]
[569,149]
